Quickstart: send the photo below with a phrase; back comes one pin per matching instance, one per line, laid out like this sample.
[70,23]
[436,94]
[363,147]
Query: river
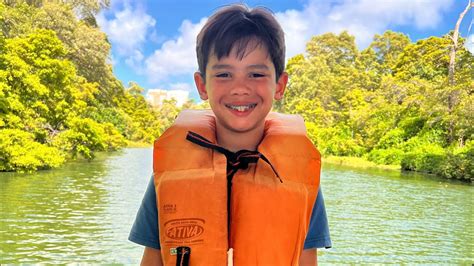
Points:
[82,213]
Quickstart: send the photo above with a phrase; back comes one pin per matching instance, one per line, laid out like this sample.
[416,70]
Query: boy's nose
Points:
[240,87]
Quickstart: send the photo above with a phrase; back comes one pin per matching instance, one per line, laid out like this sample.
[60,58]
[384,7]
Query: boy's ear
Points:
[281,86]
[200,82]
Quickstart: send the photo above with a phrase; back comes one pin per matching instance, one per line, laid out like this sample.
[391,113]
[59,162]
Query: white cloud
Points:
[135,60]
[175,57]
[297,31]
[127,30]
[181,86]
[361,18]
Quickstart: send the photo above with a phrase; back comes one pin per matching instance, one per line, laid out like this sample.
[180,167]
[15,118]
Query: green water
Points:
[83,213]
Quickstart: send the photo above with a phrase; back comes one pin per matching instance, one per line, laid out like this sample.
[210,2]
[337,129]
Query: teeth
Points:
[241,108]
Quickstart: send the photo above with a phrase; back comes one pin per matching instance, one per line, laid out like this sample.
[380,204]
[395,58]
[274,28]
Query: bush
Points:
[111,115]
[427,158]
[113,138]
[386,156]
[334,141]
[411,126]
[458,165]
[427,140]
[393,138]
[20,152]
[83,137]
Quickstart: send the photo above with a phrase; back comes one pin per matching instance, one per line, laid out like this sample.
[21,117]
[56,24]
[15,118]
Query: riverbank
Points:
[137,144]
[357,162]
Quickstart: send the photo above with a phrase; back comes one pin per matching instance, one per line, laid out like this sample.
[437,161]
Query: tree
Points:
[337,50]
[387,48]
[39,81]
[453,96]
[454,47]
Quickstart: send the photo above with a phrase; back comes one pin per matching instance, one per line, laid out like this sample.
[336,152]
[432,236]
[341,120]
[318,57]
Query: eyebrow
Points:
[226,66]
[221,66]
[259,66]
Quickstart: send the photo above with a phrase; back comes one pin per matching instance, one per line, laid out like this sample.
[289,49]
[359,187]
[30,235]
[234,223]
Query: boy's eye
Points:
[257,75]
[222,75]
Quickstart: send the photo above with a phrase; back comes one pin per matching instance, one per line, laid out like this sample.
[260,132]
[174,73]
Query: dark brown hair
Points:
[235,26]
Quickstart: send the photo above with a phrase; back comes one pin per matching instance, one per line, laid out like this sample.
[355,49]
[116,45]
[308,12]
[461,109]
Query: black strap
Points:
[182,256]
[235,160]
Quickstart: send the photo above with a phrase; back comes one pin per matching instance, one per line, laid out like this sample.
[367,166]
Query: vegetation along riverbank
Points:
[396,102]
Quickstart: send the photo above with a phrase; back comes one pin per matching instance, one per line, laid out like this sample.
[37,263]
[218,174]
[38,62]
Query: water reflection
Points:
[66,215]
[379,216]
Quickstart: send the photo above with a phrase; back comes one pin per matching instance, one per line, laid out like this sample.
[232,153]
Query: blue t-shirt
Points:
[145,228]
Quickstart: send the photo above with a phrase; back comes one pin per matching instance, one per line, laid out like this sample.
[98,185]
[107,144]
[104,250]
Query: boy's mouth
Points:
[241,108]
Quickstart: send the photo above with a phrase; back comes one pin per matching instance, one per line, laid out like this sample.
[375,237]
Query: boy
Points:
[238,184]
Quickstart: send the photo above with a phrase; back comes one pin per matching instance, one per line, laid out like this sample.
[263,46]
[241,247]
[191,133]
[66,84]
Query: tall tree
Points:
[454,46]
[453,97]
[387,48]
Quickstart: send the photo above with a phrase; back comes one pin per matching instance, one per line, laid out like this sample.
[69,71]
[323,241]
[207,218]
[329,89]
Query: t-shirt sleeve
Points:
[145,228]
[318,233]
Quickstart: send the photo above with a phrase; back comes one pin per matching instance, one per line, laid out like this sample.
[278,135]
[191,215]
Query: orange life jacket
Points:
[270,218]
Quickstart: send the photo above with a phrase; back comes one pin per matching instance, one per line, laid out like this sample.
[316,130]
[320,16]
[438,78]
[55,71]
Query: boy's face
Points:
[241,92]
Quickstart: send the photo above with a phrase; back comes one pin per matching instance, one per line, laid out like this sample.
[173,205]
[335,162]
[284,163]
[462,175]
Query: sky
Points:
[153,41]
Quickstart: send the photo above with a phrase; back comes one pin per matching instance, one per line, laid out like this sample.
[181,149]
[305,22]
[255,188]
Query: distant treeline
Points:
[390,103]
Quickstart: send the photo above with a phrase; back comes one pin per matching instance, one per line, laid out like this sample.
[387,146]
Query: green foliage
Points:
[337,50]
[389,103]
[58,95]
[113,138]
[335,141]
[458,166]
[84,136]
[459,163]
[16,20]
[412,126]
[20,152]
[168,112]
[393,138]
[454,164]
[386,156]
[143,123]
[39,83]
[112,115]
[427,59]
[387,48]
[424,158]
[423,140]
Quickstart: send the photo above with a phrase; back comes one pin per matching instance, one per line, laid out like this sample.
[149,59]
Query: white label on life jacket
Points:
[230,257]
[173,251]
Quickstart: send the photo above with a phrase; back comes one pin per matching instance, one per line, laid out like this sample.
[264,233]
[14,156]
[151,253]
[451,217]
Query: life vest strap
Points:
[235,160]
[183,254]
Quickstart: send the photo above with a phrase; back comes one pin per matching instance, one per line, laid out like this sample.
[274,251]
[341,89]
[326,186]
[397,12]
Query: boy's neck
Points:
[236,141]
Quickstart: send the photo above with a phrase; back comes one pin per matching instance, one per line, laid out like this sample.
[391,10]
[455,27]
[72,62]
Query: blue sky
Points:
[153,42]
